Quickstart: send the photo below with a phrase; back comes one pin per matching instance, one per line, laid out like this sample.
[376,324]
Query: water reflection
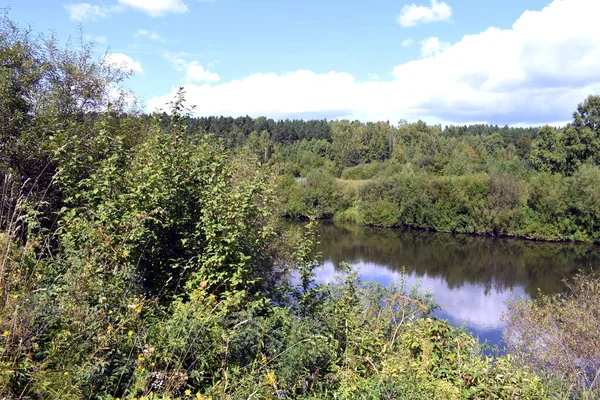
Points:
[471,277]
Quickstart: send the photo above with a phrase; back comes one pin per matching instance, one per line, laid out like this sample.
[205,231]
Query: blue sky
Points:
[450,61]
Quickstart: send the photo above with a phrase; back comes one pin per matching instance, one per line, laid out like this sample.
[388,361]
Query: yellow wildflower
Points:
[66,373]
[271,379]
[130,333]
[188,392]
[6,334]
[141,357]
[136,306]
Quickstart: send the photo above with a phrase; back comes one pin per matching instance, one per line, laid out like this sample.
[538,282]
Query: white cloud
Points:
[413,14]
[87,12]
[177,59]
[123,61]
[194,72]
[151,35]
[157,8]
[535,72]
[433,46]
[154,8]
[407,43]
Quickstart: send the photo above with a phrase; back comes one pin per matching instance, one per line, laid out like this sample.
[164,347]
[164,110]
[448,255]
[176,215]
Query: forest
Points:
[142,256]
[536,183]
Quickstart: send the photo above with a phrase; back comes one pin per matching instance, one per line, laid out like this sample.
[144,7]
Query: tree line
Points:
[529,182]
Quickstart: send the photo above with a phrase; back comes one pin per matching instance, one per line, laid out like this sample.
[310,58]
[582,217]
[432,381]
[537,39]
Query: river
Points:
[470,277]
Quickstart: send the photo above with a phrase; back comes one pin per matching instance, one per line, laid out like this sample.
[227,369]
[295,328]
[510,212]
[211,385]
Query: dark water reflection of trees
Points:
[495,263]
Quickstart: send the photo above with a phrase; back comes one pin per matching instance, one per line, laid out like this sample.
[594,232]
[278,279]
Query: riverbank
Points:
[545,207]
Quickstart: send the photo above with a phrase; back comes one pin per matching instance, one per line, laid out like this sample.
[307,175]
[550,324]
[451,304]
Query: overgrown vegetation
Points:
[557,336]
[480,179]
[142,259]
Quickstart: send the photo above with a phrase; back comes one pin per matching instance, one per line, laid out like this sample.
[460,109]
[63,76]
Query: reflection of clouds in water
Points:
[469,304]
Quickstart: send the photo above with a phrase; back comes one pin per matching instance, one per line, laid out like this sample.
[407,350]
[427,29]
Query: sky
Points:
[515,62]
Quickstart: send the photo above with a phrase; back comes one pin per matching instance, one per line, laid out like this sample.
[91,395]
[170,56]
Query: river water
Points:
[470,277]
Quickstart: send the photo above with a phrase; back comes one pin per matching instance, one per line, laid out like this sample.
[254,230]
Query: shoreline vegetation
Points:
[495,191]
[341,219]
[141,259]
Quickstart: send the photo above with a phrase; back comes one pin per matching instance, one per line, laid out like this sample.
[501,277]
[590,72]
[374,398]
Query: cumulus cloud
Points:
[413,14]
[123,61]
[535,72]
[196,73]
[157,8]
[433,46]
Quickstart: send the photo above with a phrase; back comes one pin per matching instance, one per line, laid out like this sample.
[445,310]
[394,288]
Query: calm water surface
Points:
[471,277]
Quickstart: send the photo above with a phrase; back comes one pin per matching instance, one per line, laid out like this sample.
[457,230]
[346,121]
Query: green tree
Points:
[50,100]
[548,153]
[582,137]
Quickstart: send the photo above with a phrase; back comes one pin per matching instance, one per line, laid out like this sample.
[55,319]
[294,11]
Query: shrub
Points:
[557,336]
[322,194]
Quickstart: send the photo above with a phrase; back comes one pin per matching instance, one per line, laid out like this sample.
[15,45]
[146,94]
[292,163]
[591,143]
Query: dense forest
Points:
[142,255]
[539,183]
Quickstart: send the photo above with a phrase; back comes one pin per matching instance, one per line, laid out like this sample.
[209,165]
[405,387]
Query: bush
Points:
[557,336]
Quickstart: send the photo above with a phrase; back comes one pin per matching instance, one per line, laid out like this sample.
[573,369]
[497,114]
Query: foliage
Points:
[558,336]
[141,257]
[476,179]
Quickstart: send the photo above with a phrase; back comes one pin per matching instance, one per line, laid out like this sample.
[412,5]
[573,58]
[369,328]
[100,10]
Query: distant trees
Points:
[538,183]
[548,153]
[566,149]
[234,131]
